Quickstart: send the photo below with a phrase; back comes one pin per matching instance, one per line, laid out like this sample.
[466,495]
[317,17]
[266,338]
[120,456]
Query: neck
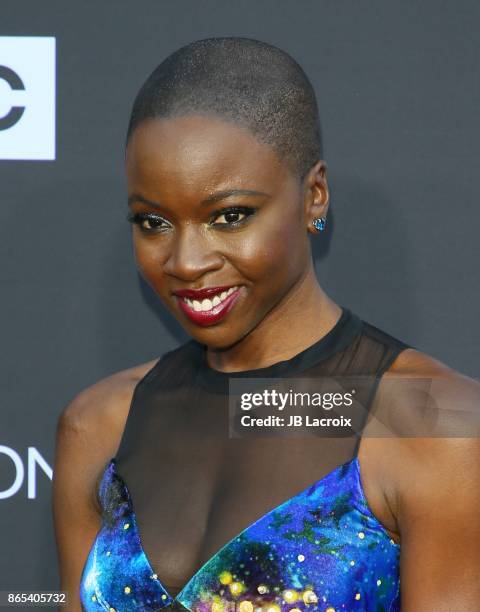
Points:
[304,316]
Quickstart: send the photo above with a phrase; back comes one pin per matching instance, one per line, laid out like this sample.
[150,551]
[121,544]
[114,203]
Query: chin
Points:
[215,337]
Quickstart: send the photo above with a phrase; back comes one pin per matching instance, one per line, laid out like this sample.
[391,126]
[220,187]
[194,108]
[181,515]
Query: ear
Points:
[316,194]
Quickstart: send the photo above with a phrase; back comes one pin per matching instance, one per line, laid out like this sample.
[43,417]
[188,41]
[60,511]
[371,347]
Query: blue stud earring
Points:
[319,223]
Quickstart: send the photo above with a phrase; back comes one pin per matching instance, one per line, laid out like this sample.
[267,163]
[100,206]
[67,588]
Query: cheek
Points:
[272,253]
[149,258]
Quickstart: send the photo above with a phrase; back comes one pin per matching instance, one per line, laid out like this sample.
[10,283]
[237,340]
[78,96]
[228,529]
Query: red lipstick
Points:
[200,294]
[221,301]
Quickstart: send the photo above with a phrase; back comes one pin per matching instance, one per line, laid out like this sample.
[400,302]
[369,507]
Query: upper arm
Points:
[76,514]
[440,530]
[437,500]
[88,433]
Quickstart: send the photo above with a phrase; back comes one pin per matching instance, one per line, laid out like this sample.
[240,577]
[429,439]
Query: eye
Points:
[148,222]
[233,215]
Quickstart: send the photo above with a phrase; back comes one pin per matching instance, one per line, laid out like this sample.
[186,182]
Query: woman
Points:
[161,501]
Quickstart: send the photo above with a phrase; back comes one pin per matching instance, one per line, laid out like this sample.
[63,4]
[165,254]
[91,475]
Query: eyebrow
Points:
[208,201]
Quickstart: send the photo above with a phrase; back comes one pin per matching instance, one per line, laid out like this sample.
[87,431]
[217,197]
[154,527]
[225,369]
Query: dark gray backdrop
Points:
[398,91]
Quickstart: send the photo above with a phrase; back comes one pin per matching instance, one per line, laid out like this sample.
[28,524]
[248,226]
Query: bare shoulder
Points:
[423,443]
[96,416]
[431,472]
[435,424]
[425,393]
[107,401]
[411,362]
[88,432]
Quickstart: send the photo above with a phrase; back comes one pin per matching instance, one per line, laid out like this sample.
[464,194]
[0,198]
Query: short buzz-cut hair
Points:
[246,81]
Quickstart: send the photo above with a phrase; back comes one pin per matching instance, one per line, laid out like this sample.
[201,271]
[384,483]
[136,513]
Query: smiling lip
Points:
[216,311]
[200,294]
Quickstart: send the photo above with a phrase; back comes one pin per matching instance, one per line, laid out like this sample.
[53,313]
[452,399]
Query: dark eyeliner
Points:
[246,210]
[138,218]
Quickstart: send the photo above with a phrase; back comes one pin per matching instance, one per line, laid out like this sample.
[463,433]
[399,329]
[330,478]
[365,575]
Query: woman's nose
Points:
[192,254]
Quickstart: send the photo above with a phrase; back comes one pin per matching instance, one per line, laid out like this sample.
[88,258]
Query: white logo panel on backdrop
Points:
[27,97]
[34,461]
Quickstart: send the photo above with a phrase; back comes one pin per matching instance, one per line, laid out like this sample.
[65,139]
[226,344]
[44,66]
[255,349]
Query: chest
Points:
[322,545]
[319,544]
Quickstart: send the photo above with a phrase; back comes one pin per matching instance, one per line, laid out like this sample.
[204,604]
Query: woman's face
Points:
[215,208]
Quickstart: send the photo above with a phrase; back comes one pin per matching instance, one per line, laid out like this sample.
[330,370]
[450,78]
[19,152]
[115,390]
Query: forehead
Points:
[200,151]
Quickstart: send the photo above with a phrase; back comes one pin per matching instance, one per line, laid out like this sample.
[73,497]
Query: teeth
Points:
[207,303]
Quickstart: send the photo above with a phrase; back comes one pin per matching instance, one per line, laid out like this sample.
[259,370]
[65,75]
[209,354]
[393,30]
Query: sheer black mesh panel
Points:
[193,487]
